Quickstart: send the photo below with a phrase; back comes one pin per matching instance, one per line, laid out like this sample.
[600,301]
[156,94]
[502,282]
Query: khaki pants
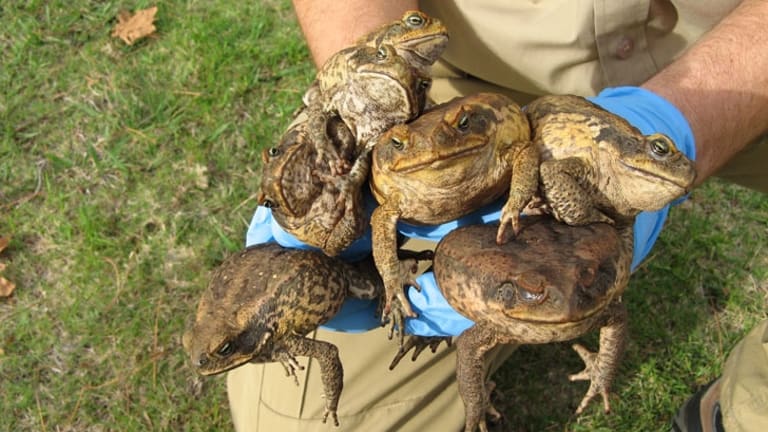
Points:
[744,386]
[419,395]
[415,396]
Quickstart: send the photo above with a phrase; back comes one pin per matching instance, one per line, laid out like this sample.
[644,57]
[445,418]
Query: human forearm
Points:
[331,25]
[721,86]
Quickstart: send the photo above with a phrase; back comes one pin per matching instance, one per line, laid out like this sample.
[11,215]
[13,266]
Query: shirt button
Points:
[625,47]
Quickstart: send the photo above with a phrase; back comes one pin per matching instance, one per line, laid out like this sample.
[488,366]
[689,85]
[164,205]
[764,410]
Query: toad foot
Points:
[398,307]
[594,375]
[418,344]
[289,363]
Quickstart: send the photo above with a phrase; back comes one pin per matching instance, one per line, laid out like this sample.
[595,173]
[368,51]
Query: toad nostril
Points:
[202,360]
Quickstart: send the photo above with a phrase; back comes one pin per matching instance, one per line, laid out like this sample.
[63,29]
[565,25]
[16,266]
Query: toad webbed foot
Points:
[418,344]
[397,306]
[599,381]
[289,363]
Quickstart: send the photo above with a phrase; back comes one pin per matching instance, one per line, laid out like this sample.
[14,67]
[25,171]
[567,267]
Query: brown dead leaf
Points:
[6,286]
[131,28]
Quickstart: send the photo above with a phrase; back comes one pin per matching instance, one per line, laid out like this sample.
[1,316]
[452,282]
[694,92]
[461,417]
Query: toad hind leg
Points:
[471,347]
[348,186]
[331,370]
[600,368]
[566,196]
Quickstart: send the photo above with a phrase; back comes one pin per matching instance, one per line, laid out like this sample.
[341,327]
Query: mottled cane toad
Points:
[371,89]
[553,282]
[453,159]
[261,303]
[596,167]
[320,209]
[417,37]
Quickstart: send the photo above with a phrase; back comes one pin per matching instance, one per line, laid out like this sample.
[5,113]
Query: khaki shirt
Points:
[571,46]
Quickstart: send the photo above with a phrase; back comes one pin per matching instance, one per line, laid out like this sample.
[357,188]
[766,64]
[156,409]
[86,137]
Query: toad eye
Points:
[415,20]
[225,350]
[268,203]
[530,297]
[659,147]
[463,123]
[274,151]
[381,54]
[396,143]
[425,84]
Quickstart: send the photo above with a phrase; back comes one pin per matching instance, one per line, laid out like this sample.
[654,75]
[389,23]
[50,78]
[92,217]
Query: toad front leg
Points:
[395,273]
[331,370]
[600,368]
[523,185]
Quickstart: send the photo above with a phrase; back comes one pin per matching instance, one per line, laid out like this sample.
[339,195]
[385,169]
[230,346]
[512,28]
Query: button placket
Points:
[624,47]
[621,41]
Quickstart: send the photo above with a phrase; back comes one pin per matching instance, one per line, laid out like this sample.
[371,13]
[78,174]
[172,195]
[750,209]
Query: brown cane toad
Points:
[417,37]
[596,167]
[453,159]
[320,209]
[553,282]
[371,89]
[260,304]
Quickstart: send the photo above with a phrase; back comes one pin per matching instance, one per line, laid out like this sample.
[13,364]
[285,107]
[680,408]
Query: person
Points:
[696,70]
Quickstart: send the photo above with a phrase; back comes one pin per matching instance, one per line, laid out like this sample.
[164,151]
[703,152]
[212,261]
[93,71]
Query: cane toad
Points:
[596,167]
[378,82]
[261,303]
[371,89]
[320,209]
[417,37]
[553,282]
[453,159]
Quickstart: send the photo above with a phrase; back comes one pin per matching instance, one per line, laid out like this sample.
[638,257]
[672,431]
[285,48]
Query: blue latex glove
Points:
[642,108]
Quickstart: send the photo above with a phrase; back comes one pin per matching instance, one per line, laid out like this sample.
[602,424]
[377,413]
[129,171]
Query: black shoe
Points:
[701,412]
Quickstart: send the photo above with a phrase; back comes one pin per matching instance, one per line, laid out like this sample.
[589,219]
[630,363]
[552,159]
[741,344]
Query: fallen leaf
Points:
[6,287]
[131,28]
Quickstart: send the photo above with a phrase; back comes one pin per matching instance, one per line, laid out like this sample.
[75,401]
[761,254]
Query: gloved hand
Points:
[645,110]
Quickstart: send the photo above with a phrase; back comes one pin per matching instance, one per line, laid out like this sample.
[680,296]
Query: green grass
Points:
[127,173]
